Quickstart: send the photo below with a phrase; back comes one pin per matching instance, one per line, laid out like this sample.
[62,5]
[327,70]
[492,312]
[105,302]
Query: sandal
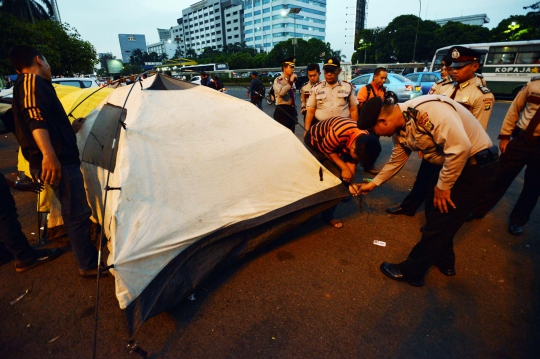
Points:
[336,223]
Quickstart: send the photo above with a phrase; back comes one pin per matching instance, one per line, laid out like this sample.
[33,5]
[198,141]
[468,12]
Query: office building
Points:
[361,14]
[164,34]
[130,42]
[269,22]
[209,23]
[479,19]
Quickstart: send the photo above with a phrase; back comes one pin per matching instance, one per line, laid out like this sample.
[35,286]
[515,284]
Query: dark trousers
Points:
[257,102]
[519,153]
[76,215]
[11,233]
[436,247]
[328,214]
[419,191]
[286,115]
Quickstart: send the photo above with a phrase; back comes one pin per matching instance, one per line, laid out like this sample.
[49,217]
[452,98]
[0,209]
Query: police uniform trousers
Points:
[519,153]
[419,191]
[436,247]
[286,115]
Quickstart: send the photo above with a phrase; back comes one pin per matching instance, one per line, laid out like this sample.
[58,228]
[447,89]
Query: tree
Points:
[190,53]
[63,47]
[178,54]
[29,10]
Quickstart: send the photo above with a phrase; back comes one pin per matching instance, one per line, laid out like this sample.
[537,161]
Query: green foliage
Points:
[28,10]
[130,69]
[62,45]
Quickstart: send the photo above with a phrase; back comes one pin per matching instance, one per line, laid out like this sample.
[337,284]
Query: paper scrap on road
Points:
[21,297]
[53,339]
[379,243]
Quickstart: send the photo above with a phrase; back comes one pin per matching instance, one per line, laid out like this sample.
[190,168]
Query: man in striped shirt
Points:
[339,145]
[48,143]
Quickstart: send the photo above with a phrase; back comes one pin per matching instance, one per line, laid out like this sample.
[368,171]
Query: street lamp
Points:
[294,11]
[416,37]
[365,48]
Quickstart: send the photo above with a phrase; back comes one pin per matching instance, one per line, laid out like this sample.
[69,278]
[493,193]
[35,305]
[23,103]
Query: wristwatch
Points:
[16,183]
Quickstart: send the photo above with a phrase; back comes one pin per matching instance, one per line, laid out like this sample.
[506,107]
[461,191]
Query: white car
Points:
[80,82]
[195,80]
[6,92]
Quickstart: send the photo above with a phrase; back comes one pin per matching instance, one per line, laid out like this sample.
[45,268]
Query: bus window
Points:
[501,55]
[528,55]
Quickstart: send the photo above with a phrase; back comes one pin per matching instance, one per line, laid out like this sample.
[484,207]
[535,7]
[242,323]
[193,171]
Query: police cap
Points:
[289,61]
[447,59]
[331,64]
[462,56]
[369,113]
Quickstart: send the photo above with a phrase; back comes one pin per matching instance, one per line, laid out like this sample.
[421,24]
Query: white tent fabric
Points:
[190,162]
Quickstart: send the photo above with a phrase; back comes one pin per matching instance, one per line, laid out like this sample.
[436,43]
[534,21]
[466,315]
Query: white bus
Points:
[204,67]
[507,66]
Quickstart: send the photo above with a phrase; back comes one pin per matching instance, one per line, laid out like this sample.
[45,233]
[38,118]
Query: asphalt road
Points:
[315,293]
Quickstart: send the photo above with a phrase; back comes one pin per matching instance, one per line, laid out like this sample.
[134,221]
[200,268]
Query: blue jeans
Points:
[76,214]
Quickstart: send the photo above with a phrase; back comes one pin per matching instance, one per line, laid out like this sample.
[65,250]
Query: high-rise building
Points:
[164,34]
[209,23]
[361,14]
[129,42]
[269,22]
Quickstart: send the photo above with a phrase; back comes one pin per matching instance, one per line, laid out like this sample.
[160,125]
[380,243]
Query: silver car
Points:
[404,88]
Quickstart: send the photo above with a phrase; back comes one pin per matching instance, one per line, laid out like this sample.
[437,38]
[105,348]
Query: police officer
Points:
[468,88]
[520,147]
[332,97]
[314,73]
[447,134]
[285,112]
[446,77]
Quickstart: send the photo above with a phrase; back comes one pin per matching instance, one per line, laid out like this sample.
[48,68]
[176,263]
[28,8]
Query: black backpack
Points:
[261,90]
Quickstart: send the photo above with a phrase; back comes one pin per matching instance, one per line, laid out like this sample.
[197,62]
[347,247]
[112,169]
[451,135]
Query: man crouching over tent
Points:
[339,145]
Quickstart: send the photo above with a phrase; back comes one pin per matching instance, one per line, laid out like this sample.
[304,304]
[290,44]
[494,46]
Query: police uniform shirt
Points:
[282,91]
[331,101]
[306,91]
[440,86]
[445,132]
[475,97]
[522,109]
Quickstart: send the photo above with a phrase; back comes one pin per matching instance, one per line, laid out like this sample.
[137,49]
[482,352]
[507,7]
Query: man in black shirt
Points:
[48,143]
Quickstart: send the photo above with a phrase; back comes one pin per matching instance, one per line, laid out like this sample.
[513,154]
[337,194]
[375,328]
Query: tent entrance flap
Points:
[99,144]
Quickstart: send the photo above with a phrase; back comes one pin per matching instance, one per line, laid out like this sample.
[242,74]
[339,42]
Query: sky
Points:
[100,21]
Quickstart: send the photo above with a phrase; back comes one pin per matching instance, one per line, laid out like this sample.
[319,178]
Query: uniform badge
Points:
[465,98]
[455,54]
[487,106]
[425,122]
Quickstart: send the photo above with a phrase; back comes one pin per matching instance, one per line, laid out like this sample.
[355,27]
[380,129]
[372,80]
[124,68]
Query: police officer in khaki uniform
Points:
[447,134]
[446,77]
[285,112]
[520,147]
[469,89]
[313,73]
[332,97]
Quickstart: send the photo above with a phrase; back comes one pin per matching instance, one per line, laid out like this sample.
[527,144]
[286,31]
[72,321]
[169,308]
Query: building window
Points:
[258,12]
[248,39]
[228,15]
[235,20]
[257,21]
[131,38]
[234,13]
[228,22]
[267,10]
[229,37]
[236,36]
[248,23]
[235,28]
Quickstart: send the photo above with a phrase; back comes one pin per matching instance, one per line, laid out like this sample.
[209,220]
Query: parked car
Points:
[426,79]
[80,82]
[404,88]
[195,80]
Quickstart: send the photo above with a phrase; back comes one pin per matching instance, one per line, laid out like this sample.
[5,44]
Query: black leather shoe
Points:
[449,272]
[515,230]
[392,272]
[398,210]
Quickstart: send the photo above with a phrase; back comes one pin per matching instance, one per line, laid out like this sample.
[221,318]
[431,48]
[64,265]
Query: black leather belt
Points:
[518,132]
[484,157]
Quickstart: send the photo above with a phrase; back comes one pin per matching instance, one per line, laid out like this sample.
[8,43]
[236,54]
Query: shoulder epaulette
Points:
[483,89]
[347,82]
[305,83]
[535,78]
[279,78]
[441,81]
[316,84]
[479,75]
